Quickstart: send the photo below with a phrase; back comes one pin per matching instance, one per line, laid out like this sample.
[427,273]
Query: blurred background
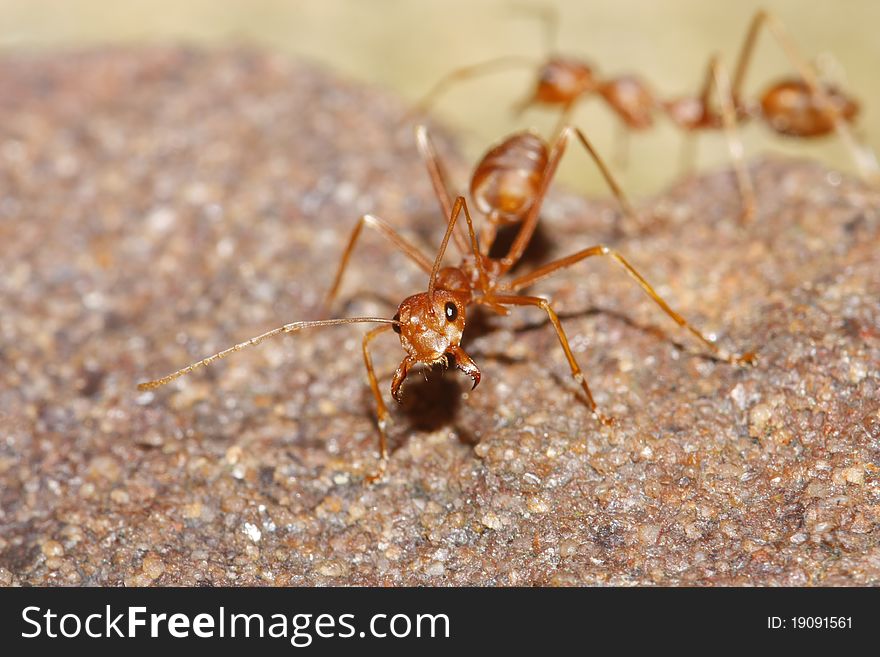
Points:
[405,46]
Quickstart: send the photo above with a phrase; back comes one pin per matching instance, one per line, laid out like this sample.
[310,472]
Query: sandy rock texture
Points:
[159,205]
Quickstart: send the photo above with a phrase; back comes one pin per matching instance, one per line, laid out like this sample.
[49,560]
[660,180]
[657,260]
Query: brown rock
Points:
[157,205]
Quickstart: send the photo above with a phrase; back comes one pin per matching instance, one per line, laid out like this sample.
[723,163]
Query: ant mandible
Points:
[430,324]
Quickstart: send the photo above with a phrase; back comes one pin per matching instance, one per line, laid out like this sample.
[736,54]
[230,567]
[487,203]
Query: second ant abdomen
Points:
[791,109]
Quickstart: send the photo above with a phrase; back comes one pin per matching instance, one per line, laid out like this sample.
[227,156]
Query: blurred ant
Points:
[430,324]
[561,81]
[802,107]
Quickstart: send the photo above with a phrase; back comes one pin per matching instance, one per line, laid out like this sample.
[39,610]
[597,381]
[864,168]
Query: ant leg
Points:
[460,204]
[466,72]
[549,18]
[621,145]
[382,415]
[530,222]
[386,231]
[687,155]
[438,179]
[602,250]
[721,83]
[863,157]
[606,173]
[577,375]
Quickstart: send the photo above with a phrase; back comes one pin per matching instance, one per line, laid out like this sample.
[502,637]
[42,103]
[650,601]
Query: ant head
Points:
[430,328]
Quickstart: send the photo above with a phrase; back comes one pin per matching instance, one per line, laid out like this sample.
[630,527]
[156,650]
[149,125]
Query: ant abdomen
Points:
[791,109]
[506,181]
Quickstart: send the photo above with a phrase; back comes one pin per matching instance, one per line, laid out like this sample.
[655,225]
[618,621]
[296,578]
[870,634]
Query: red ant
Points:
[801,107]
[430,324]
[561,81]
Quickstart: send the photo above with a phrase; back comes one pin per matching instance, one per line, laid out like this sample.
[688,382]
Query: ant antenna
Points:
[460,204]
[287,328]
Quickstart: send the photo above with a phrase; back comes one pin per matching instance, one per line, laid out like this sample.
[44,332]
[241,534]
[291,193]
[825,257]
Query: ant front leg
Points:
[382,415]
[387,232]
[747,358]
[576,373]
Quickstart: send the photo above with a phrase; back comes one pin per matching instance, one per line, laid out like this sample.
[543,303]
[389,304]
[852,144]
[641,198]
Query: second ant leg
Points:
[688,153]
[716,79]
[602,250]
[506,62]
[621,145]
[576,373]
[386,231]
[734,144]
[382,415]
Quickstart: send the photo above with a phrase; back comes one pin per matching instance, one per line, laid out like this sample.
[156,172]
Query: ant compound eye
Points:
[451,311]
[396,327]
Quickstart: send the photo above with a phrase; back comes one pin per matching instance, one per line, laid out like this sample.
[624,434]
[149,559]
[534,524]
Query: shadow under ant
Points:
[431,402]
[537,252]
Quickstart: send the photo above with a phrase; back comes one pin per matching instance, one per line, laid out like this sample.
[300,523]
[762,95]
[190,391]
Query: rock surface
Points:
[159,205]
